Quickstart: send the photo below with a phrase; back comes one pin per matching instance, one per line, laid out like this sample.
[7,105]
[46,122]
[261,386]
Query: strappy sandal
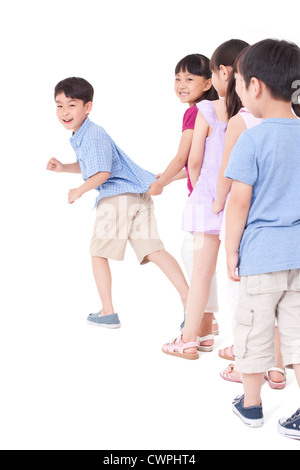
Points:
[203,339]
[227,353]
[216,330]
[226,375]
[177,348]
[276,385]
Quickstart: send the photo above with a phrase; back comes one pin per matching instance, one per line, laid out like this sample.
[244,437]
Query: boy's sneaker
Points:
[252,416]
[106,321]
[290,427]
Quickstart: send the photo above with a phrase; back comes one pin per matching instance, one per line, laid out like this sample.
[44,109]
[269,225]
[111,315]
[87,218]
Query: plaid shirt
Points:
[96,152]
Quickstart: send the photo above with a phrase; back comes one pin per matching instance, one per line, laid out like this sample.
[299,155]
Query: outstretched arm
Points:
[58,167]
[92,183]
[176,165]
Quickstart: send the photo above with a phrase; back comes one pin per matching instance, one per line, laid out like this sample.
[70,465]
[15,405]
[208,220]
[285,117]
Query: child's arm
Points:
[58,167]
[180,176]
[92,183]
[176,165]
[197,150]
[235,128]
[236,218]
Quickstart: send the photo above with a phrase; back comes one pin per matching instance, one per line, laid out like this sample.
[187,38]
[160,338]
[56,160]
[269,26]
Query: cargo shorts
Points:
[264,298]
[123,218]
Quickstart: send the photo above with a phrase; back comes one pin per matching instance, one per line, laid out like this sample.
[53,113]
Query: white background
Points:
[65,384]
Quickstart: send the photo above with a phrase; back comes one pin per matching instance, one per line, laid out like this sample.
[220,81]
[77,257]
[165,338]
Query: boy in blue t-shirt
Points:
[124,209]
[263,225]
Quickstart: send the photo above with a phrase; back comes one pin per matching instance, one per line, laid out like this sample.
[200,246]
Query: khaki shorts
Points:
[127,217]
[263,298]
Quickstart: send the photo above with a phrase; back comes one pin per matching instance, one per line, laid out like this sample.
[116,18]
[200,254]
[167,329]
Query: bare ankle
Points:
[105,312]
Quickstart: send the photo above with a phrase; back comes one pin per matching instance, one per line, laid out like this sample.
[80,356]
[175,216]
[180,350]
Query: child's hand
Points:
[156,188]
[54,165]
[232,263]
[217,207]
[74,194]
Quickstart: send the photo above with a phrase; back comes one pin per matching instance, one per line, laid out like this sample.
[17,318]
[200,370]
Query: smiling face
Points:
[71,112]
[189,88]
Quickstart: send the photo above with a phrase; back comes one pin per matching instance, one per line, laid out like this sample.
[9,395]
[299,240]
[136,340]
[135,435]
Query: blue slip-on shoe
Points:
[252,416]
[106,321]
[290,427]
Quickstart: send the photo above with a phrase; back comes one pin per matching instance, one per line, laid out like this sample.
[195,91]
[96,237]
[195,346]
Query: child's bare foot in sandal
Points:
[179,348]
[205,334]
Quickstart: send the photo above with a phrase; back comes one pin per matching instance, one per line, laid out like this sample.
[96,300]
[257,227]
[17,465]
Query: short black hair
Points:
[76,88]
[276,63]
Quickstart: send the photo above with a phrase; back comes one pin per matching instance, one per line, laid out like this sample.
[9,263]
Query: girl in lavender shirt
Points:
[198,218]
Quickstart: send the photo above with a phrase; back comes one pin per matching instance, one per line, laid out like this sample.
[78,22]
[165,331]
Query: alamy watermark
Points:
[125,220]
[296,93]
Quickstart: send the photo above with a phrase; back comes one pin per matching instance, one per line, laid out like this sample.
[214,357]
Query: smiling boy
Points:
[124,210]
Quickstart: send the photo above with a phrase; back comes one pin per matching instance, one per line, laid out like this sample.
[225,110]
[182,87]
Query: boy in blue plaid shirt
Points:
[124,209]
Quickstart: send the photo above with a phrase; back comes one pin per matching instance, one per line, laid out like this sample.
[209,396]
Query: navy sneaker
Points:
[106,321]
[290,427]
[252,416]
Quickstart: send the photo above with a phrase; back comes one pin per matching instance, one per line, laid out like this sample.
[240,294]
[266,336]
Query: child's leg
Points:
[187,253]
[297,372]
[102,275]
[252,387]
[206,324]
[172,270]
[275,375]
[205,261]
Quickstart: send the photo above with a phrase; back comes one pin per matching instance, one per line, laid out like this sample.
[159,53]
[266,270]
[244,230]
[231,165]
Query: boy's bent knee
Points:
[152,257]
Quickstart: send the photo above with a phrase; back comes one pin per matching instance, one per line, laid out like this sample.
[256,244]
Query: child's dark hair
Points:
[226,55]
[233,102]
[198,64]
[277,64]
[76,88]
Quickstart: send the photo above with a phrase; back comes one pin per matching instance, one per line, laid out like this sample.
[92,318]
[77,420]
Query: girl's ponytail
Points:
[233,102]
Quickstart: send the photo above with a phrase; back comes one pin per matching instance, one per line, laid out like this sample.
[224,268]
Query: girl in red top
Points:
[192,84]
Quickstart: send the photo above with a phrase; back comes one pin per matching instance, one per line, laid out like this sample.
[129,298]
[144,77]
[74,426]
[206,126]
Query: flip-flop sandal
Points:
[177,348]
[276,385]
[226,375]
[202,347]
[227,353]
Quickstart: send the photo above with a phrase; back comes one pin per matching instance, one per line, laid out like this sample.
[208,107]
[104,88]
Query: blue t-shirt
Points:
[96,152]
[267,157]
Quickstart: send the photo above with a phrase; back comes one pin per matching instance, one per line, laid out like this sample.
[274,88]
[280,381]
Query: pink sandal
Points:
[227,353]
[177,348]
[226,375]
[276,385]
